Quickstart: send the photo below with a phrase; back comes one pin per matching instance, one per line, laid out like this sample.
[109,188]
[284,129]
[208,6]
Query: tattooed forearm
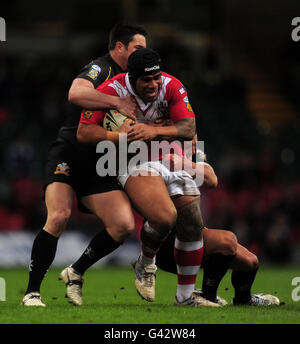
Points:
[186,128]
[189,223]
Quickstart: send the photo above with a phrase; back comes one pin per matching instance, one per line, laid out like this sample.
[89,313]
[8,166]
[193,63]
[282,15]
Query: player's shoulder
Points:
[96,71]
[171,79]
[116,81]
[99,65]
[99,62]
[169,76]
[173,83]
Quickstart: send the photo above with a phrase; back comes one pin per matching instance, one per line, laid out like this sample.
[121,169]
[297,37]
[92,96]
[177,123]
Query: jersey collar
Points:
[140,102]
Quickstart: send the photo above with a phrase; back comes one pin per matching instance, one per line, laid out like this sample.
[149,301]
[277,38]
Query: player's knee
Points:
[62,216]
[126,228]
[253,262]
[57,220]
[228,244]
[122,229]
[165,221]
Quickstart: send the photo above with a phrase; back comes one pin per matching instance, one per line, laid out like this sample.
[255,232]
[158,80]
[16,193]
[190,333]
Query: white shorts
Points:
[177,182]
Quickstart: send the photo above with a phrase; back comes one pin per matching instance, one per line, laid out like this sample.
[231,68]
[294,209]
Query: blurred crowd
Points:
[259,185]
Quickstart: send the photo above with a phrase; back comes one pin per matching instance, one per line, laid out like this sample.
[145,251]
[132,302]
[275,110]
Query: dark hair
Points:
[124,33]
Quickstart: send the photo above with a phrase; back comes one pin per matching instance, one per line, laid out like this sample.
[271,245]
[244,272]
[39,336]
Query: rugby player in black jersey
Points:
[68,164]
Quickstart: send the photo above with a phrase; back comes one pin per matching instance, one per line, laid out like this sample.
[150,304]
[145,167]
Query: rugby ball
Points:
[113,120]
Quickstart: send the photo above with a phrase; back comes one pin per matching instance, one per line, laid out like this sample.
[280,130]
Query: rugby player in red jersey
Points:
[162,203]
[151,89]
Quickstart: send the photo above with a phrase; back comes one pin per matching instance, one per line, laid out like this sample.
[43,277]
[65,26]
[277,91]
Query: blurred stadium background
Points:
[242,71]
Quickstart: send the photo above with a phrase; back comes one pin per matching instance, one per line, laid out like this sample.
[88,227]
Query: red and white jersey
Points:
[172,101]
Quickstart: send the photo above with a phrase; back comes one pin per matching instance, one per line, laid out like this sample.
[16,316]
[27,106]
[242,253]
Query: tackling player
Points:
[218,256]
[68,163]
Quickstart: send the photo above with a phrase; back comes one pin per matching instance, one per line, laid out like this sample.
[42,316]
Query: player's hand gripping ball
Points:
[113,120]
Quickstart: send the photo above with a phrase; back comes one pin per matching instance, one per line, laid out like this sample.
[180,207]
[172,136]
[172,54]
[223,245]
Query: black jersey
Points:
[97,71]
[69,161]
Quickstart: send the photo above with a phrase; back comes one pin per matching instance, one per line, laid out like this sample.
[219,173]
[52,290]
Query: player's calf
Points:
[188,251]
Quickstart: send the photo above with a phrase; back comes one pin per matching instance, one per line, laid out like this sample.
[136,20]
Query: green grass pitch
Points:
[109,297]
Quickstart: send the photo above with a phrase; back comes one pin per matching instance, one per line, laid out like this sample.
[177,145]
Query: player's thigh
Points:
[150,197]
[60,170]
[113,208]
[219,241]
[189,220]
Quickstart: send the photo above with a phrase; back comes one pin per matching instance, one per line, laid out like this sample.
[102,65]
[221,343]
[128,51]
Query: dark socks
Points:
[42,256]
[100,246]
[165,255]
[242,282]
[214,268]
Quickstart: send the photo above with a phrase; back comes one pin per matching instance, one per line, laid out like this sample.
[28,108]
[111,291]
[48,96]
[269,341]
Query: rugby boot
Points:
[73,282]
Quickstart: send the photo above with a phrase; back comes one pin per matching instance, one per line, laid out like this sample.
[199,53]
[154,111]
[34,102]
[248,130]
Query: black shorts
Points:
[69,164]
